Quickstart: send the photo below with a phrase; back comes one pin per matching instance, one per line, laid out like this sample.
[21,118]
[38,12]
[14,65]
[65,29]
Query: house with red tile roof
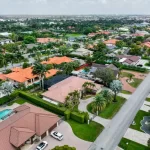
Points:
[47,40]
[57,93]
[26,76]
[26,124]
[111,42]
[147,44]
[57,60]
[128,59]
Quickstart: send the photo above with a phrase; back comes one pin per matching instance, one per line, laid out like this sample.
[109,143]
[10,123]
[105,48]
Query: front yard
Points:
[131,145]
[136,82]
[85,131]
[111,110]
[138,118]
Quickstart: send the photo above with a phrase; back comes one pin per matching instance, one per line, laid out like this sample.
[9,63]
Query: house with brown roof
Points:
[147,44]
[57,93]
[47,40]
[26,124]
[128,59]
[26,77]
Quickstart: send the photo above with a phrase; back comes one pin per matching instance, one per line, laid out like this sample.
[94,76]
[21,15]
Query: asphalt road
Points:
[112,134]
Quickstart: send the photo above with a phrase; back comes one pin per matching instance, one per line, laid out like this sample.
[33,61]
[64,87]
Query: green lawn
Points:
[131,145]
[85,131]
[111,110]
[126,92]
[126,74]
[18,101]
[136,82]
[138,119]
[148,99]
[73,35]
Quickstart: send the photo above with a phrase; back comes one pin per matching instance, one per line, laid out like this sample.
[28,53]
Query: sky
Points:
[73,7]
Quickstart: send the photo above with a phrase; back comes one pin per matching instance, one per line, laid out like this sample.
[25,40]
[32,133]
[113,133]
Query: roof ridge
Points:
[24,128]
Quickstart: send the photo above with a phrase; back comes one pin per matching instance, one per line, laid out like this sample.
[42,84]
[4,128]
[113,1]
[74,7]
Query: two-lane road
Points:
[112,134]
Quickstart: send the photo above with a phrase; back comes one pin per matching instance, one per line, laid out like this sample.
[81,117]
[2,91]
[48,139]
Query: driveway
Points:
[83,107]
[69,139]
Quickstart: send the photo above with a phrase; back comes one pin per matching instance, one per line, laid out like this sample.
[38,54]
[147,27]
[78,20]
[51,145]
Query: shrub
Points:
[9,98]
[65,147]
[86,117]
[41,103]
[77,117]
[67,114]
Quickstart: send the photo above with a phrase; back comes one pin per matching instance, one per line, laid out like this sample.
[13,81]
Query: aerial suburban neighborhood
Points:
[74,82]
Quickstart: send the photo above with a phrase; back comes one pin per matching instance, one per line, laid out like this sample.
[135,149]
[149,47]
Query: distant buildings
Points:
[128,59]
[82,52]
[47,40]
[5,34]
[6,41]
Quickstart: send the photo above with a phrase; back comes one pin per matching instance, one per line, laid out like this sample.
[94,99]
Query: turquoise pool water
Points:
[84,72]
[5,112]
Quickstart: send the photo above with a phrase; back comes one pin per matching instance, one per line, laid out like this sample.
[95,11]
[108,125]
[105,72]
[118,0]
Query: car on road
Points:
[42,145]
[57,135]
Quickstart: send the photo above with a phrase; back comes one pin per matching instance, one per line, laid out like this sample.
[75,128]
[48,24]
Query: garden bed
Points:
[111,110]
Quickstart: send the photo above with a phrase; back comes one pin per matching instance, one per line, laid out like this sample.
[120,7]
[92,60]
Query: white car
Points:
[42,145]
[57,135]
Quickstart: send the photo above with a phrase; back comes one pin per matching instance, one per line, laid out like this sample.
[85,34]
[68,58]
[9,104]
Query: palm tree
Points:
[3,61]
[107,95]
[99,103]
[40,70]
[130,76]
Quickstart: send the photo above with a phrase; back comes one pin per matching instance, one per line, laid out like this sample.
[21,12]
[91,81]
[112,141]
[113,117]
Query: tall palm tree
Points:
[107,95]
[99,103]
[3,60]
[40,70]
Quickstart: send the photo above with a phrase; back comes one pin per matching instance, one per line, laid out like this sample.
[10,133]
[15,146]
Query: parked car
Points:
[42,145]
[57,135]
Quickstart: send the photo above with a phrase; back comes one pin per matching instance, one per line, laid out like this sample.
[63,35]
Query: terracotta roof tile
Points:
[57,60]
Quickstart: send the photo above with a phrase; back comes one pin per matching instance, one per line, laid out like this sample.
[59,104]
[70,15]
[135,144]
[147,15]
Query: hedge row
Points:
[77,56]
[41,103]
[76,116]
[9,98]
[127,67]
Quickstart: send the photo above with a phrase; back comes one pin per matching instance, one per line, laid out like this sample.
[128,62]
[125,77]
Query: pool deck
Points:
[8,107]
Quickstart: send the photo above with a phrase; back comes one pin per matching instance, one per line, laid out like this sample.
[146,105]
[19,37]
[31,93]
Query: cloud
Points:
[74,7]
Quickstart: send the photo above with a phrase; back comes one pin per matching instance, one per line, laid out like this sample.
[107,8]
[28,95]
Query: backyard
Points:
[111,109]
[73,35]
[138,119]
[85,131]
[131,145]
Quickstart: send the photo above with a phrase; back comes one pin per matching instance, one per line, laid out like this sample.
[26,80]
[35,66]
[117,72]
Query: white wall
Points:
[50,101]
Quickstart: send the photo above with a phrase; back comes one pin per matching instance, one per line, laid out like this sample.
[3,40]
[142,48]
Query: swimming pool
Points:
[84,72]
[5,112]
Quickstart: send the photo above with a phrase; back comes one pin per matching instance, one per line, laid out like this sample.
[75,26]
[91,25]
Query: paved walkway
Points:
[137,136]
[127,86]
[83,107]
[9,107]
[146,106]
[126,96]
